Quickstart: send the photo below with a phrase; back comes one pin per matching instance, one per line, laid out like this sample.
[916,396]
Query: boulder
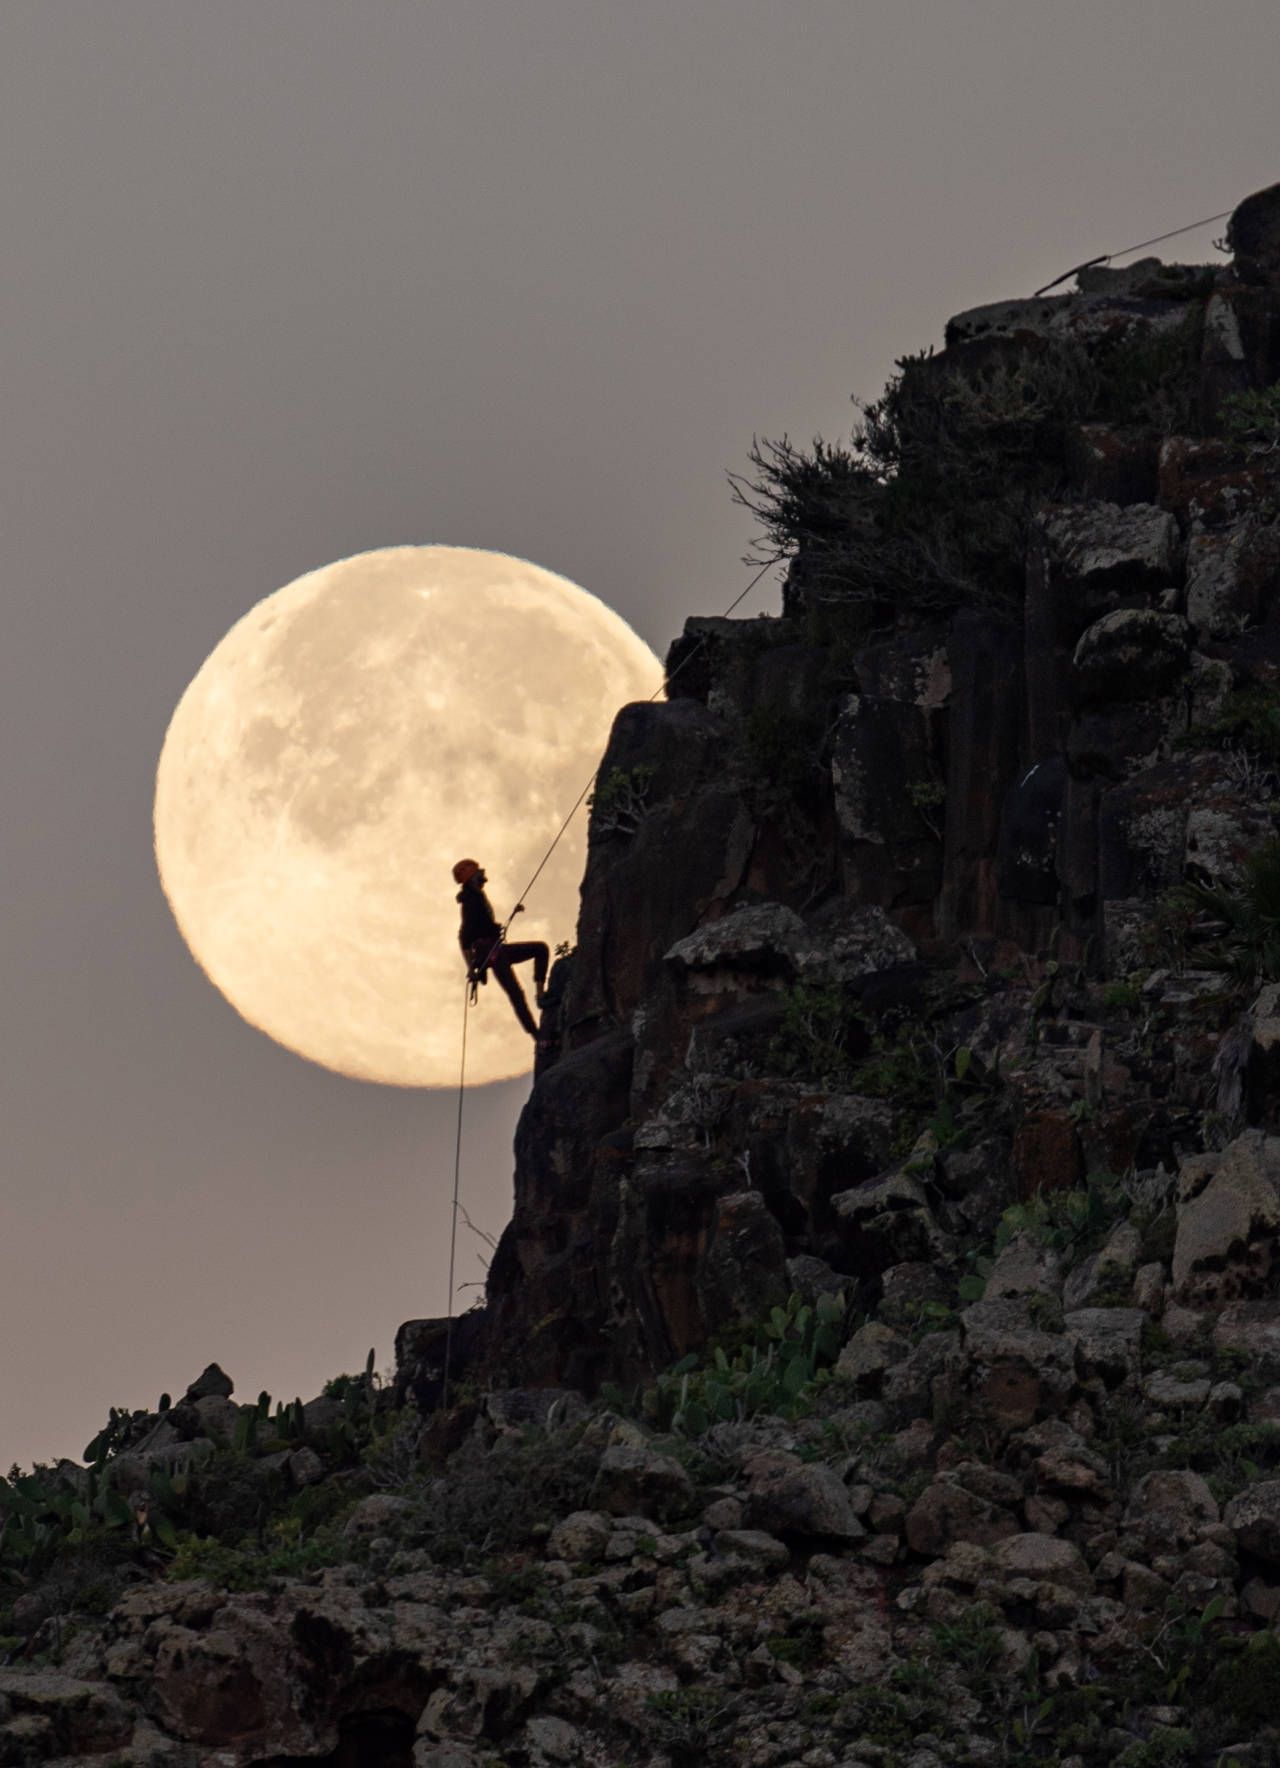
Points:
[1253,233]
[743,1271]
[1231,577]
[1024,1267]
[846,943]
[1210,485]
[212,1381]
[1019,1372]
[1107,1341]
[1044,1559]
[1254,1518]
[790,1497]
[1088,319]
[945,1513]
[63,1715]
[1100,552]
[634,1481]
[1133,653]
[1252,1328]
[1228,1234]
[887,1221]
[870,1353]
[1171,1508]
[581,1536]
[760,941]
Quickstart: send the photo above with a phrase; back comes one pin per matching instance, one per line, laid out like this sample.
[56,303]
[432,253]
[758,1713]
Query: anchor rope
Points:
[1106,257]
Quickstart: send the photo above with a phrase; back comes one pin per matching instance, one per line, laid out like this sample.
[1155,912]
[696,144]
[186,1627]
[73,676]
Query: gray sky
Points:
[289,279]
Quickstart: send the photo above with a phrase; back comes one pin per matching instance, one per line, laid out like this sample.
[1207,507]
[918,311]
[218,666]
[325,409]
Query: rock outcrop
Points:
[881,1368]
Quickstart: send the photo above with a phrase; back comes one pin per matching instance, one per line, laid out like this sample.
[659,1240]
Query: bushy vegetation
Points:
[926,507]
[819,1031]
[74,1537]
[778,1371]
[620,801]
[1252,420]
[1236,928]
[1247,722]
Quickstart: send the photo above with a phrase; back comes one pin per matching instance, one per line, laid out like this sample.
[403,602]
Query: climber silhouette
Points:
[484,947]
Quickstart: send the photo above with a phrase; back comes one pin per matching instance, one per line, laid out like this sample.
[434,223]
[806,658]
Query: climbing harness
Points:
[477,972]
[1106,257]
[469,996]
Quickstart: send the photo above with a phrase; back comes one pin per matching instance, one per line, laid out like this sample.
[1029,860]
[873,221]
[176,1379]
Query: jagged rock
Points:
[1112,1266]
[743,1269]
[1171,1394]
[305,1467]
[1106,1341]
[871,1351]
[1253,234]
[763,940]
[429,1754]
[1043,1558]
[1133,653]
[62,1714]
[788,1496]
[1090,319]
[811,1277]
[213,1381]
[1231,574]
[754,1546]
[218,1417]
[887,1221]
[883,773]
[945,1513]
[582,1535]
[1256,1087]
[1254,1518]
[1024,1267]
[1228,1220]
[1018,1371]
[1100,552]
[1071,1467]
[641,1482]
[928,1378]
[846,943]
[1171,1507]
[1208,484]
[1252,1329]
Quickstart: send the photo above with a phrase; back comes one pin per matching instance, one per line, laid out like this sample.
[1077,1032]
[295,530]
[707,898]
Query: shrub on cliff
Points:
[926,508]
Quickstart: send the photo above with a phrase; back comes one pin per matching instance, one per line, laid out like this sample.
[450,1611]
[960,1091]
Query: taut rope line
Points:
[457,1172]
[1106,257]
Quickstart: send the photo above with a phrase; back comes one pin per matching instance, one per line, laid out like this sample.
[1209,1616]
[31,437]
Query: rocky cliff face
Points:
[939,810]
[882,1366]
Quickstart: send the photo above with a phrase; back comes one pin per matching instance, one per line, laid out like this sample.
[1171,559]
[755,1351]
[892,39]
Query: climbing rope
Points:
[457,1176]
[466,1000]
[1124,252]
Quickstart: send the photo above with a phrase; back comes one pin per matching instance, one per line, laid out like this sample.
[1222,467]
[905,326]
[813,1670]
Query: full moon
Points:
[351,737]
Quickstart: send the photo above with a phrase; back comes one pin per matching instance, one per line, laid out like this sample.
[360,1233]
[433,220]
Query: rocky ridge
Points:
[882,1365]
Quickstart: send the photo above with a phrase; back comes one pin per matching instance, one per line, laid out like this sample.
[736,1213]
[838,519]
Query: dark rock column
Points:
[986,720]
